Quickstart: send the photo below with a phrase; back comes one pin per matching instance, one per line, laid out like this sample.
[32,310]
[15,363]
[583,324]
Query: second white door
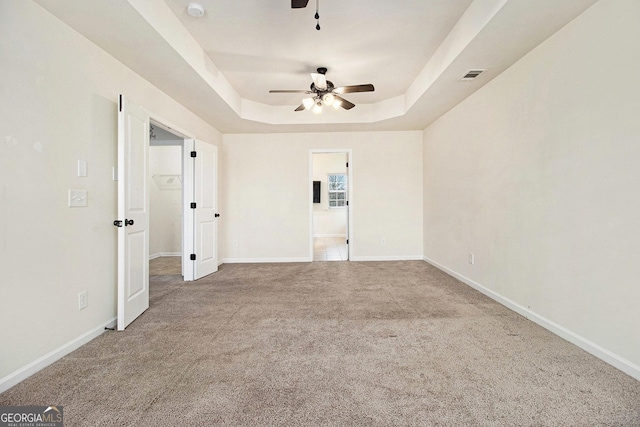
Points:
[201,216]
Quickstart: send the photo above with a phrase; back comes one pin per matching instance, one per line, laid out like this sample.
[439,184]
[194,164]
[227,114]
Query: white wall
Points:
[328,222]
[537,175]
[59,94]
[267,194]
[165,201]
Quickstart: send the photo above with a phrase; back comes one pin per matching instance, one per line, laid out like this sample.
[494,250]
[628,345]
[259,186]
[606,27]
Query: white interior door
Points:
[347,208]
[201,185]
[133,212]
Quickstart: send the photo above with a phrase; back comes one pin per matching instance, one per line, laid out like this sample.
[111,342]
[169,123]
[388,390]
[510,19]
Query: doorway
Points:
[330,205]
[199,204]
[165,201]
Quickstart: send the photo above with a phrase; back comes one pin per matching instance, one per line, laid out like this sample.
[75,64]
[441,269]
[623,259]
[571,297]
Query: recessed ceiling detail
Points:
[221,65]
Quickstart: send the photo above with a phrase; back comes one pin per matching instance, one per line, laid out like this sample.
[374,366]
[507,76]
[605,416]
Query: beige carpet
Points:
[330,344]
[165,266]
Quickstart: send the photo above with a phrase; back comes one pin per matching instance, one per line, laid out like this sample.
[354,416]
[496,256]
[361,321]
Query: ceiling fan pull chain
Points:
[317,16]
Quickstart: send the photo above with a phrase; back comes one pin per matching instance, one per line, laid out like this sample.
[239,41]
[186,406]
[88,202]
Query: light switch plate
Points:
[77,198]
[82,168]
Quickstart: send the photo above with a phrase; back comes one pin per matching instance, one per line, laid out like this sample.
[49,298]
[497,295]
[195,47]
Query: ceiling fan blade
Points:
[344,103]
[298,4]
[290,91]
[319,80]
[300,108]
[354,88]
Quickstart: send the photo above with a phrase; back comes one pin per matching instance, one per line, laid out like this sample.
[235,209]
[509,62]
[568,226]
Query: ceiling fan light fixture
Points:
[328,99]
[308,103]
[324,92]
[319,80]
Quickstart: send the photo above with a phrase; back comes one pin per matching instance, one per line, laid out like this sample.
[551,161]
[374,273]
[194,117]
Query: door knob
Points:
[217,215]
[128,222]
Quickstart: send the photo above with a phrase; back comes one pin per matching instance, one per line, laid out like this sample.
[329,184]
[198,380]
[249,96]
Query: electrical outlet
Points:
[82,300]
[383,241]
[472,258]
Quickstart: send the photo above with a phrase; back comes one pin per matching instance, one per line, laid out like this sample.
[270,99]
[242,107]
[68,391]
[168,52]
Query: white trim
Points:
[163,254]
[168,126]
[26,371]
[389,258]
[331,235]
[263,260]
[602,353]
[188,229]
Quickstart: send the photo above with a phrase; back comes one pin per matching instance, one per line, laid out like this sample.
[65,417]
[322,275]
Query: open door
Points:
[133,212]
[200,189]
[347,209]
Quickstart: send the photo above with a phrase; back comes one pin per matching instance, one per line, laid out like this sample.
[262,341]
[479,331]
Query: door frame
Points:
[349,153]
[187,183]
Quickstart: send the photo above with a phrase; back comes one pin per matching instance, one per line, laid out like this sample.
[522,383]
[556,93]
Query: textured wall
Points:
[59,95]
[537,175]
[267,190]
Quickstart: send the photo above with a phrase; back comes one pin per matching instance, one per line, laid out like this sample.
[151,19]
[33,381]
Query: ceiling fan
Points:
[325,93]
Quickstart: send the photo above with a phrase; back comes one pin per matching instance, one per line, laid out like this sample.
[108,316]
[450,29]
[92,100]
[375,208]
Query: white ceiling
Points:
[262,45]
[221,66]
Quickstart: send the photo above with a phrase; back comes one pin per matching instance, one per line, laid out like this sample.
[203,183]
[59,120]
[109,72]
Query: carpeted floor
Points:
[330,344]
[165,266]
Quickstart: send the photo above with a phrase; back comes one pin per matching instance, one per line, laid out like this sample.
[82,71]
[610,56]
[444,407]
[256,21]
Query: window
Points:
[337,190]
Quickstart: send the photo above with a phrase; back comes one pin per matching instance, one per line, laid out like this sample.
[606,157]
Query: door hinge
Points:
[193,205]
[347,203]
[347,164]
[120,102]
[192,257]
[347,241]
[193,154]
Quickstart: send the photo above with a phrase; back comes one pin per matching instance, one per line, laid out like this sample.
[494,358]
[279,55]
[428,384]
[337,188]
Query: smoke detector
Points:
[196,10]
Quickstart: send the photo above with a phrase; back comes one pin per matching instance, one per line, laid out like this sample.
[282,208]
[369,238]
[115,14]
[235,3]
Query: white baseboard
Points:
[607,356]
[330,235]
[161,254]
[25,372]
[276,260]
[388,258]
[263,260]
